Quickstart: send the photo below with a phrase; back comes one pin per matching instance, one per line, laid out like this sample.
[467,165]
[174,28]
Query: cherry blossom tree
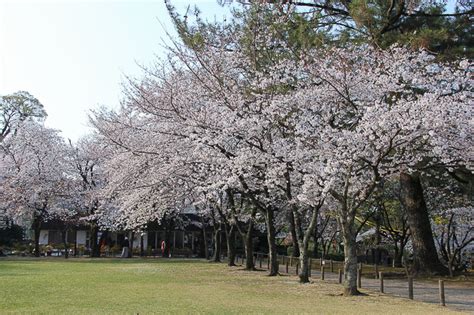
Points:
[367,114]
[315,132]
[85,164]
[34,176]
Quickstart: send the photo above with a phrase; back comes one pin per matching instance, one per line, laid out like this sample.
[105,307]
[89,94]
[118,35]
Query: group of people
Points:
[127,253]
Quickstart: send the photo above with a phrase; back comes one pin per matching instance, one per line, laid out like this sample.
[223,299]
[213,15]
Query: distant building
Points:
[186,238]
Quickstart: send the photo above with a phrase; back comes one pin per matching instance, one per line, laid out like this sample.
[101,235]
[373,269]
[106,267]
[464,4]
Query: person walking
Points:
[125,248]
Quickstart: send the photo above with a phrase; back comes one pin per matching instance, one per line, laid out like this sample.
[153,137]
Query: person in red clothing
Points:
[163,248]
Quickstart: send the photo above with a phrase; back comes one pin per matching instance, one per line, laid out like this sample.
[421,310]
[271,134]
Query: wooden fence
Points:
[292,266]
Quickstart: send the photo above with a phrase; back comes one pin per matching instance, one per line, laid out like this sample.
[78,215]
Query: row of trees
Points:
[286,116]
[42,176]
[244,120]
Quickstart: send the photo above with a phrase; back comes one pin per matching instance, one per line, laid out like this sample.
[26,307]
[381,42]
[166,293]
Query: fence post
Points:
[297,265]
[331,264]
[340,276]
[410,287]
[309,269]
[322,272]
[442,300]
[376,266]
[291,260]
[260,264]
[287,265]
[359,281]
[381,281]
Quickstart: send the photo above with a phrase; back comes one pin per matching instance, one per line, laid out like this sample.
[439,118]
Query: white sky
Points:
[72,54]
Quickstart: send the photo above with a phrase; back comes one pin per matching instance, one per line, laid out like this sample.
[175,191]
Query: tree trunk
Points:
[397,256]
[230,239]
[205,242]
[216,256]
[294,237]
[450,267]
[378,241]
[66,249]
[316,244]
[304,264]
[303,241]
[142,248]
[425,255]
[248,244]
[271,233]
[350,261]
[37,230]
[95,250]
[75,243]
[130,252]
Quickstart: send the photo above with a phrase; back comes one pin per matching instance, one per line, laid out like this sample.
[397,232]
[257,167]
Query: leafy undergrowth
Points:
[145,286]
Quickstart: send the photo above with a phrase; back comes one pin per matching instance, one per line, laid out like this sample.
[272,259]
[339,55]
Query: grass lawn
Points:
[145,286]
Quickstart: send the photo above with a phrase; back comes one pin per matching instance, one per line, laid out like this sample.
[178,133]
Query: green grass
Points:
[145,286]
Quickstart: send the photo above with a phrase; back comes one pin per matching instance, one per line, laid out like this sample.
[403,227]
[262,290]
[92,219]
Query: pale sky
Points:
[72,55]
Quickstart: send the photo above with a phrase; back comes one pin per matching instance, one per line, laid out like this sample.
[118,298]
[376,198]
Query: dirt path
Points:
[457,296]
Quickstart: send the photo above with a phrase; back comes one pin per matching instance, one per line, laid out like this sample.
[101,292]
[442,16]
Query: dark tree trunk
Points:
[397,256]
[350,261]
[66,248]
[399,252]
[272,250]
[316,244]
[75,242]
[378,241]
[37,230]
[205,242]
[303,241]
[130,251]
[95,250]
[168,246]
[425,255]
[230,239]
[248,244]
[216,255]
[294,238]
[142,248]
[304,263]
